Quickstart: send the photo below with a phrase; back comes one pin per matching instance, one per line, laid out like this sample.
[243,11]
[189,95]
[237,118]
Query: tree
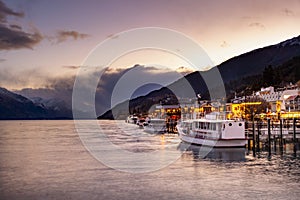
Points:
[253,109]
[268,76]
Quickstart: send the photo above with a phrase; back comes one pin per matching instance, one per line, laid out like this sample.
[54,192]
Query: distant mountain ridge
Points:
[254,62]
[247,67]
[15,106]
[236,72]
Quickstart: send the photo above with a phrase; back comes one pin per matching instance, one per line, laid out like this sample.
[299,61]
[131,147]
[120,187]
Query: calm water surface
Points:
[46,160]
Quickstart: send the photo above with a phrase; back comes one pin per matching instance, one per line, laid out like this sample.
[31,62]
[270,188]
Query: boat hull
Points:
[213,130]
[214,142]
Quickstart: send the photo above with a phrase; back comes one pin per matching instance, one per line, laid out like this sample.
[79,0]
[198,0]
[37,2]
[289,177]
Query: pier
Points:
[272,136]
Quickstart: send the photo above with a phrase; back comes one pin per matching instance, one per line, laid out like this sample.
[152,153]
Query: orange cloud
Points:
[257,24]
[65,35]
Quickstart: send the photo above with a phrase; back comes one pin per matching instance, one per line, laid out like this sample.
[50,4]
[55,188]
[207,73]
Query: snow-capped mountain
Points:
[15,106]
[290,42]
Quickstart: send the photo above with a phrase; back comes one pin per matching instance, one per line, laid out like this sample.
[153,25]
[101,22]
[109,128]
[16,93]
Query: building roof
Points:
[290,97]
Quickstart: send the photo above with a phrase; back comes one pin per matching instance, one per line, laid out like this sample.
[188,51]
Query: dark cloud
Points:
[12,36]
[288,12]
[14,26]
[57,90]
[17,39]
[257,25]
[71,67]
[184,70]
[61,88]
[19,78]
[62,35]
[5,11]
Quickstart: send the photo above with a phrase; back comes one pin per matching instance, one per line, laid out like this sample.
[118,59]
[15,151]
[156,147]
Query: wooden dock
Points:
[272,134]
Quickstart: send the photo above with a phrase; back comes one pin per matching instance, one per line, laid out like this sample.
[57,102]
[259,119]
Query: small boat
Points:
[214,131]
[131,119]
[155,125]
[141,122]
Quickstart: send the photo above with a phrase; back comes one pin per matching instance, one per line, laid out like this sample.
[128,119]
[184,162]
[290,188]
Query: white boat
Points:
[131,119]
[141,122]
[213,131]
[155,125]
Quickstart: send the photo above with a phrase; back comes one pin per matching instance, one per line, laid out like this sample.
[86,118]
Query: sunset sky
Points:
[42,38]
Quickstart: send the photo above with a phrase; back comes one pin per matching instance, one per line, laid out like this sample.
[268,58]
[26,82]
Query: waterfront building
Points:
[283,102]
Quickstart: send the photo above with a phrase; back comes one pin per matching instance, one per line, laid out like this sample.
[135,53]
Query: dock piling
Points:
[294,137]
[269,137]
[294,130]
[248,137]
[253,144]
[258,132]
[280,139]
[275,143]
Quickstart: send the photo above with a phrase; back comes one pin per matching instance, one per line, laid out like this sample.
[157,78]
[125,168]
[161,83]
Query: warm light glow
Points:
[251,103]
[290,115]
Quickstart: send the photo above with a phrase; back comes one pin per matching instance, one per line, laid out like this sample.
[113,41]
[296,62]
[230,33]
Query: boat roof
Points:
[210,120]
[156,119]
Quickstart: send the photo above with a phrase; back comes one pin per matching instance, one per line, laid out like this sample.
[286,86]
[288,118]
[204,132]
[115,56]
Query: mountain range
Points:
[254,62]
[15,106]
[246,71]
[237,74]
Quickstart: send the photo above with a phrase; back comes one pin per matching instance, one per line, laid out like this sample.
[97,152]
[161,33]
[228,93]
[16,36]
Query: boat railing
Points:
[215,116]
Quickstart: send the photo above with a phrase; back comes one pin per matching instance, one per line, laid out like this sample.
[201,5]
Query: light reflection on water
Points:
[46,160]
[217,154]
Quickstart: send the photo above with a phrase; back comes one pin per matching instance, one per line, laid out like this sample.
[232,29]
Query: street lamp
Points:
[198,98]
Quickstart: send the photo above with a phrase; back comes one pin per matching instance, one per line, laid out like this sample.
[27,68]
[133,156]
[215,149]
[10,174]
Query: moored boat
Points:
[132,119]
[214,131]
[155,125]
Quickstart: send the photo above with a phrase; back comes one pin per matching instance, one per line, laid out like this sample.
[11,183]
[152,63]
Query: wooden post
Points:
[294,136]
[253,144]
[280,139]
[269,137]
[258,147]
[294,131]
[249,147]
[274,138]
[249,142]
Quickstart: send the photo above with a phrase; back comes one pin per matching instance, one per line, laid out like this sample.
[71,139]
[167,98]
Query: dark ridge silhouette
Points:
[238,73]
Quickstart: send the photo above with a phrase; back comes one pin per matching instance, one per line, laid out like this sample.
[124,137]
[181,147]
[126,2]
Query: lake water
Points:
[47,160]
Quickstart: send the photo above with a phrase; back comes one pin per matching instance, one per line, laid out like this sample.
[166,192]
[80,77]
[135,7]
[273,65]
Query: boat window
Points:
[230,124]
[213,126]
[219,126]
[240,124]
